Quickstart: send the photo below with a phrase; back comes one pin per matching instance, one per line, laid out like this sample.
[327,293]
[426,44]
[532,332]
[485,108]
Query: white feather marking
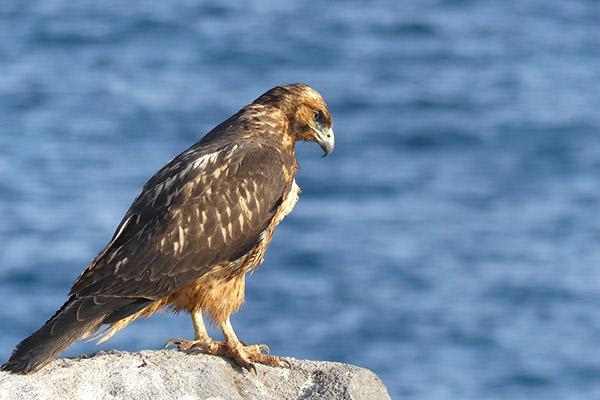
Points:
[120,263]
[204,160]
[181,236]
[244,205]
[289,202]
[170,181]
[200,162]
[123,226]
[257,205]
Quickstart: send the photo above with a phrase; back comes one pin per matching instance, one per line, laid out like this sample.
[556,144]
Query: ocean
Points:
[451,243]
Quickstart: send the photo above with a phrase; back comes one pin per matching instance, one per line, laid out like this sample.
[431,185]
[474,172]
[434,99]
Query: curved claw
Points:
[172,342]
[252,367]
[264,348]
[285,363]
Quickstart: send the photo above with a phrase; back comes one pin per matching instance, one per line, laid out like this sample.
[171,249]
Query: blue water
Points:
[452,241]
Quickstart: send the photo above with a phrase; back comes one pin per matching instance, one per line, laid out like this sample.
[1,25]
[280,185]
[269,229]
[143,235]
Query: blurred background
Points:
[450,243]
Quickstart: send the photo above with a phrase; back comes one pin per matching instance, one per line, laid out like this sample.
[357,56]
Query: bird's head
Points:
[308,114]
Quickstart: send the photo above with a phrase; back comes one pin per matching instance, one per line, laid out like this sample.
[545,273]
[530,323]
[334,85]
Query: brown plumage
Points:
[197,227]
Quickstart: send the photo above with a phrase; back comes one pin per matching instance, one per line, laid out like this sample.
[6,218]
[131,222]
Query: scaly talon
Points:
[231,347]
[261,346]
[267,359]
[243,356]
[257,348]
[204,345]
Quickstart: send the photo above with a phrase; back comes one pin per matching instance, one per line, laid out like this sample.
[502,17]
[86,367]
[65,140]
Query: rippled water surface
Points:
[452,241]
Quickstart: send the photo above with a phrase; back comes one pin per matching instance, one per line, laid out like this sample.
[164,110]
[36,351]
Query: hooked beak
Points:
[325,139]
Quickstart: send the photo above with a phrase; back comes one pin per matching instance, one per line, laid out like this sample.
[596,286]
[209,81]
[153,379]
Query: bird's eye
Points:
[319,117]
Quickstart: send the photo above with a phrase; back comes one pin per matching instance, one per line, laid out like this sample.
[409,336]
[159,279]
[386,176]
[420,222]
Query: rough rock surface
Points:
[170,374]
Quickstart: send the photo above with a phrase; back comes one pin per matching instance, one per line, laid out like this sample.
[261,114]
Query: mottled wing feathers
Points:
[206,207]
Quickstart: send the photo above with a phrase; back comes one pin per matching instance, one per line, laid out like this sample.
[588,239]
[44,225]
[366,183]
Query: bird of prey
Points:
[198,226]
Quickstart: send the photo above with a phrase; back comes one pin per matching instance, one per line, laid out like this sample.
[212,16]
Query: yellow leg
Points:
[199,327]
[229,333]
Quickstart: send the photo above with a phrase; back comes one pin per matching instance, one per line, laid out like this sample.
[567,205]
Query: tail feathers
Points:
[76,319]
[127,311]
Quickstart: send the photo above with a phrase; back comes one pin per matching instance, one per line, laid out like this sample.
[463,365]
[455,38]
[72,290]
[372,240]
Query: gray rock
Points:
[171,374]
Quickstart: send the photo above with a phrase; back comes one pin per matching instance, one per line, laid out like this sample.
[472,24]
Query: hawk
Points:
[197,227]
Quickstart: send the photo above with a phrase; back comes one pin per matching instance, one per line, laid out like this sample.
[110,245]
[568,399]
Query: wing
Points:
[206,207]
